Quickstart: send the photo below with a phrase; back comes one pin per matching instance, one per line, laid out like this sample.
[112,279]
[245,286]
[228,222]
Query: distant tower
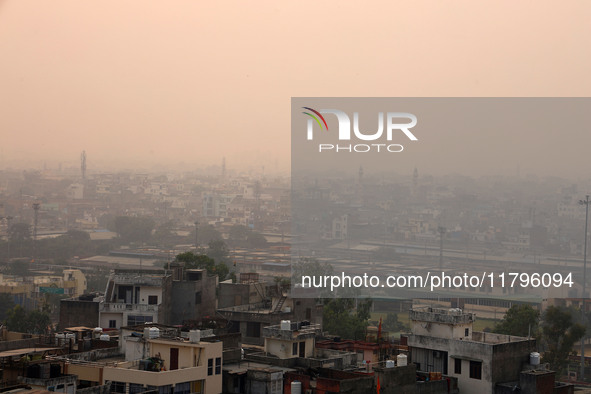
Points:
[223,168]
[83,164]
[415,181]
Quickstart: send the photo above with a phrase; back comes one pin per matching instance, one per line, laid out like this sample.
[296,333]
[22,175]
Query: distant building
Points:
[156,296]
[164,365]
[29,292]
[443,341]
[136,297]
[250,318]
[79,311]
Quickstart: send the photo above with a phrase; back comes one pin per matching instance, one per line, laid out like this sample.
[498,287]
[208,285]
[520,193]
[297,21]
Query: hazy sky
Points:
[138,82]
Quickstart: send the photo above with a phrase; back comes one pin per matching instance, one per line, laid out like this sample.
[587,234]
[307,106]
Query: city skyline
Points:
[153,86]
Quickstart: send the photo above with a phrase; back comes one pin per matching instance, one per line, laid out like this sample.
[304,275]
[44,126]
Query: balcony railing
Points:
[122,307]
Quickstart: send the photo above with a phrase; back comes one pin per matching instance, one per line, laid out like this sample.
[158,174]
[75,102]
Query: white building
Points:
[135,297]
[443,341]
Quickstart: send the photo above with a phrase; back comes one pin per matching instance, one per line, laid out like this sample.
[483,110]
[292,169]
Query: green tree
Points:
[309,267]
[340,317]
[19,267]
[201,261]
[520,320]
[559,333]
[207,233]
[238,233]
[33,322]
[164,235]
[133,229]
[17,319]
[39,322]
[256,240]
[19,232]
[6,304]
[391,323]
[217,250]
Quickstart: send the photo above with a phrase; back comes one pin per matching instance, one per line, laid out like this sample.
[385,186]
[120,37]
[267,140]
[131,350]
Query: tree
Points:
[19,232]
[19,267]
[391,323]
[39,322]
[309,267]
[256,240]
[207,233]
[201,261]
[34,322]
[340,318]
[217,250]
[164,235]
[133,229]
[6,304]
[520,320]
[559,333]
[238,233]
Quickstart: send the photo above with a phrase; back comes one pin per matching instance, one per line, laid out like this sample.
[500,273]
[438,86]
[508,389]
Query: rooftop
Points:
[296,330]
[441,315]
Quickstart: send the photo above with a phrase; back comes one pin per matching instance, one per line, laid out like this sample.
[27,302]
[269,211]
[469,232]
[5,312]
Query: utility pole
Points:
[583,314]
[196,236]
[36,209]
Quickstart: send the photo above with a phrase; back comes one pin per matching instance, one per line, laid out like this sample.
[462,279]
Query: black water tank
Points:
[33,371]
[55,371]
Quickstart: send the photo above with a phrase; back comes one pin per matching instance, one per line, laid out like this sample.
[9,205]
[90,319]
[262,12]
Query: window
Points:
[112,323]
[253,330]
[218,365]
[210,367]
[182,388]
[198,298]
[458,366]
[134,320]
[294,349]
[466,332]
[135,388]
[118,387]
[476,369]
[153,300]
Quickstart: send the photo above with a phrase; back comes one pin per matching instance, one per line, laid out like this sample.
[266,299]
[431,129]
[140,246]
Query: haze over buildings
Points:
[148,85]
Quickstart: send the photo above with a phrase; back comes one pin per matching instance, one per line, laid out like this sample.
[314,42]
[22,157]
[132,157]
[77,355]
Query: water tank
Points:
[60,339]
[296,387]
[286,325]
[70,338]
[390,364]
[154,333]
[96,333]
[401,360]
[105,337]
[194,336]
[534,358]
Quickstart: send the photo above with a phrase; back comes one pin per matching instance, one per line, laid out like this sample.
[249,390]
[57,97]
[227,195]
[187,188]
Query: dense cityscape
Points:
[108,273]
[311,197]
